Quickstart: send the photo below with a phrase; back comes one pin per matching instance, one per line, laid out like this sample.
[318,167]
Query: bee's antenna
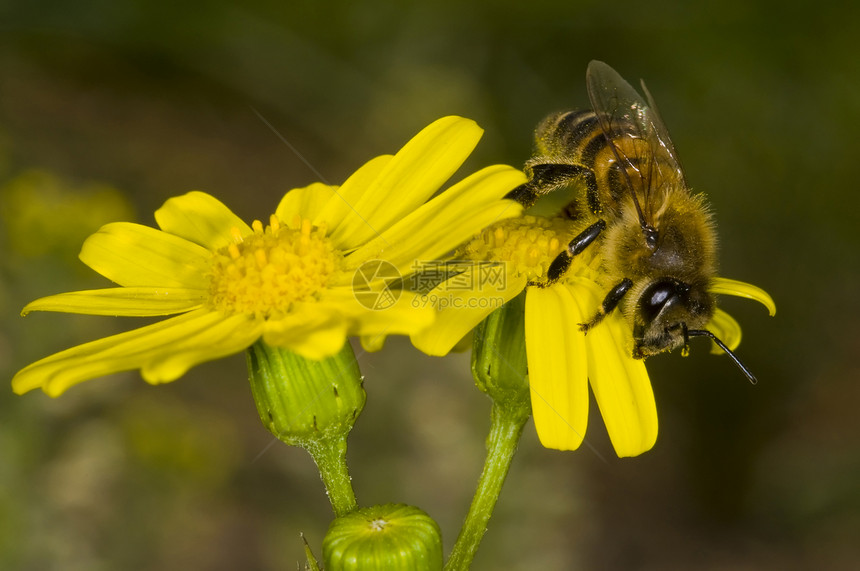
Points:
[705,333]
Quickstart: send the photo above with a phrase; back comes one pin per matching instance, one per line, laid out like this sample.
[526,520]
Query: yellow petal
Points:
[415,173]
[157,349]
[458,312]
[557,364]
[447,221]
[127,301]
[620,383]
[341,204]
[726,329]
[372,343]
[311,333]
[306,202]
[725,286]
[200,218]
[398,315]
[135,255]
[206,340]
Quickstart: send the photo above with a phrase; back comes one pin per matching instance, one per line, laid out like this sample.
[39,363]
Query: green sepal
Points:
[499,363]
[388,537]
[302,401]
[311,563]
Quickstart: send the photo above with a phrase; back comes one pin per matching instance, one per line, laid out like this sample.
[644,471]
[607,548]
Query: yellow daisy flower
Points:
[291,282]
[562,361]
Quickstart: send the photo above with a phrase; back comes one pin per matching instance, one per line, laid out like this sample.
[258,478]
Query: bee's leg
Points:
[547,177]
[685,351]
[561,263]
[591,192]
[526,194]
[610,302]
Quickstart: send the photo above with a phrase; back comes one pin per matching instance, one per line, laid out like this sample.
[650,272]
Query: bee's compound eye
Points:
[658,296]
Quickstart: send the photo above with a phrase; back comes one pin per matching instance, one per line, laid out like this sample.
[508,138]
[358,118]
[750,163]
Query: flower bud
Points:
[389,537]
[301,400]
[499,354]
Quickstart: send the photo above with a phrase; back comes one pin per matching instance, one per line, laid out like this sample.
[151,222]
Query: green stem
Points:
[330,457]
[506,427]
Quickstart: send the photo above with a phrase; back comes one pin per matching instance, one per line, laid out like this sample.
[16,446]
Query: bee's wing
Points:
[623,114]
[661,134]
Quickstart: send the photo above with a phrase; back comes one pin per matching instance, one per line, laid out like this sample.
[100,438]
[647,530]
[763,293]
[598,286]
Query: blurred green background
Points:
[109,108]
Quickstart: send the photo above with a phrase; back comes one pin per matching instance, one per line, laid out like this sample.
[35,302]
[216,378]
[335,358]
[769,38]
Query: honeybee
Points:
[655,238]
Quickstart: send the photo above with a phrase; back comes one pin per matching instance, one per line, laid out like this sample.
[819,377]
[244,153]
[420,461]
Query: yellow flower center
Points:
[530,243]
[265,273]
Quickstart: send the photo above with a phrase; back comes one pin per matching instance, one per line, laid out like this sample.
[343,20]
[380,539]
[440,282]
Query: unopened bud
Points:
[389,537]
[301,400]
[499,355]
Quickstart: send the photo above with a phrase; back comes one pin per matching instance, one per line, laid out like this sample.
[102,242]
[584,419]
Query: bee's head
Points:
[666,308]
